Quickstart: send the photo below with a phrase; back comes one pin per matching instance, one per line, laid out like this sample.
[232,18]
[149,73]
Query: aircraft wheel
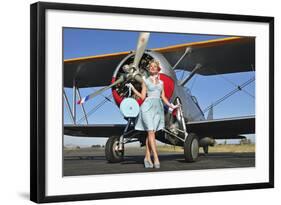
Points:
[206,149]
[112,154]
[191,148]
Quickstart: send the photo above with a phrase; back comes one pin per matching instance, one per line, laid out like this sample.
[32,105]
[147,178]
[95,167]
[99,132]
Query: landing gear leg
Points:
[114,148]
[191,141]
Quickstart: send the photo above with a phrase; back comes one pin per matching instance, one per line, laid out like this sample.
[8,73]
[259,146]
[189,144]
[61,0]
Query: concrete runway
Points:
[92,161]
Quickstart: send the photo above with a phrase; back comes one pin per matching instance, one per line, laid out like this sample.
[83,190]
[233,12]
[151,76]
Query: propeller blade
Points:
[142,43]
[88,97]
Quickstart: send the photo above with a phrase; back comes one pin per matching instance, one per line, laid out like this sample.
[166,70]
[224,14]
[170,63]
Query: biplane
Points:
[186,126]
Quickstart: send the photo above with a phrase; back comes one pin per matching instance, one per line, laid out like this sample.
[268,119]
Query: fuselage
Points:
[173,90]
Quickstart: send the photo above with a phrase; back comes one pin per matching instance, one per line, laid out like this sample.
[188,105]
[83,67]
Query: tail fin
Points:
[210,113]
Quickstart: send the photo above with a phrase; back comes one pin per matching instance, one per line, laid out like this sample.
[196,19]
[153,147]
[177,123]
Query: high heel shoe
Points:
[147,164]
[157,165]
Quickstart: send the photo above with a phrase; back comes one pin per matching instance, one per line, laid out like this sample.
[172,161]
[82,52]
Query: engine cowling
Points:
[120,91]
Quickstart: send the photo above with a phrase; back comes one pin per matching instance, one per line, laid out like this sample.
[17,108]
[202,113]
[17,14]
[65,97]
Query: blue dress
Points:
[151,115]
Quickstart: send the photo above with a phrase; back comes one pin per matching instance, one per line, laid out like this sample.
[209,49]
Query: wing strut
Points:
[82,106]
[187,51]
[74,102]
[68,106]
[193,72]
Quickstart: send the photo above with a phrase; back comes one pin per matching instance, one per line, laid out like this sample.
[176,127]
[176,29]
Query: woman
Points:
[151,116]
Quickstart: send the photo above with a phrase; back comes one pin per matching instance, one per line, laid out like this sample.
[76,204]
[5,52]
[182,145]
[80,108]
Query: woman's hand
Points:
[141,94]
[172,107]
[130,86]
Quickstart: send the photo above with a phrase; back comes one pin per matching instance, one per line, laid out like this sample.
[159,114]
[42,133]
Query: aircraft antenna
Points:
[233,83]
[229,94]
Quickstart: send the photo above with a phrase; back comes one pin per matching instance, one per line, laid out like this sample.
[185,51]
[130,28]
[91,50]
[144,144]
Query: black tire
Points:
[206,149]
[191,148]
[111,154]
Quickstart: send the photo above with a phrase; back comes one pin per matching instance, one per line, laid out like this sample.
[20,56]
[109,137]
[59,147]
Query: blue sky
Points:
[89,42]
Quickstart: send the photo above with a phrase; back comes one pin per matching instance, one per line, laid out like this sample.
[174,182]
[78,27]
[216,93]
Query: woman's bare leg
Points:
[152,142]
[147,150]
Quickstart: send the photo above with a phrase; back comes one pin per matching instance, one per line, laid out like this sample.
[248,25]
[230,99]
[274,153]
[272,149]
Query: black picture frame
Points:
[38,101]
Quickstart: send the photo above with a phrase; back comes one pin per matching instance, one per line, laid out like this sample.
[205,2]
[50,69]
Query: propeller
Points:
[88,97]
[142,43]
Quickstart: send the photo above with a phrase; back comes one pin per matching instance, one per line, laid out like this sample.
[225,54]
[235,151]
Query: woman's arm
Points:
[142,95]
[165,100]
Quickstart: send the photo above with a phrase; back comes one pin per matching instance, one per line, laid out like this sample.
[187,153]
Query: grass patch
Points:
[233,148]
[217,148]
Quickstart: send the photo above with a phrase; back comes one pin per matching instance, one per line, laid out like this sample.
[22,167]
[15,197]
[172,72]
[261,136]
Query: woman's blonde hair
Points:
[156,62]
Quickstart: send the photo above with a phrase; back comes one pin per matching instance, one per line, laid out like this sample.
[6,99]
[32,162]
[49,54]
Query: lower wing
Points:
[97,130]
[226,128]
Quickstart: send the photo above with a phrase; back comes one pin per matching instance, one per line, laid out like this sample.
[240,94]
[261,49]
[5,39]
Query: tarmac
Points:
[92,161]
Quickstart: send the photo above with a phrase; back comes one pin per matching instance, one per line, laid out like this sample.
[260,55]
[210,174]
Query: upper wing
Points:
[99,130]
[91,71]
[227,128]
[226,55]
